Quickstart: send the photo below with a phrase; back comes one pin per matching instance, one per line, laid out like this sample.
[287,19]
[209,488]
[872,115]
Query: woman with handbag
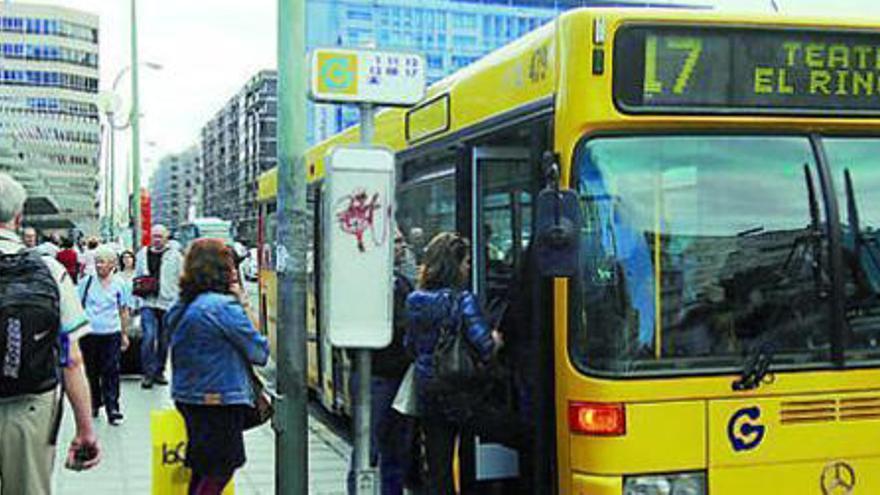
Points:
[451,342]
[213,347]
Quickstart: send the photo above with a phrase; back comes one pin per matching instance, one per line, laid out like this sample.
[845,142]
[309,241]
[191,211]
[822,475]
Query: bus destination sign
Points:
[739,70]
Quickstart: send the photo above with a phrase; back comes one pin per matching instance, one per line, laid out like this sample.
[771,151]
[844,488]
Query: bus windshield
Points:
[205,228]
[698,250]
[853,163]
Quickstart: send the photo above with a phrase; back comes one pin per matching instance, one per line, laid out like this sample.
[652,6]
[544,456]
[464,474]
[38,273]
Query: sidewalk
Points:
[126,466]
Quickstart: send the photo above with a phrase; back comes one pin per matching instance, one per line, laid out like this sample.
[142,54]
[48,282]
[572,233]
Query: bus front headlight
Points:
[666,484]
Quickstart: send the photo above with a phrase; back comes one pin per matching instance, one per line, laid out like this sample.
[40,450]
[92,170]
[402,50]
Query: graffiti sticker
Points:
[357,214]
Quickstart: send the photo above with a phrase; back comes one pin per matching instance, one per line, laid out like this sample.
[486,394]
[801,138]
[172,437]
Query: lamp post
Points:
[135,132]
[111,107]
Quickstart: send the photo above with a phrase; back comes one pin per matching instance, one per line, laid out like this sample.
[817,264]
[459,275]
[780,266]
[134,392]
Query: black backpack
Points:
[29,325]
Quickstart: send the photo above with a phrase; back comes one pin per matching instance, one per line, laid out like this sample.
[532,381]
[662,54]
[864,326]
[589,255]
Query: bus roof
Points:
[521,73]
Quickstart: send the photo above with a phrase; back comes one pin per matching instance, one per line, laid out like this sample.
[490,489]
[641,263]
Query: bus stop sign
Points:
[366,76]
[357,264]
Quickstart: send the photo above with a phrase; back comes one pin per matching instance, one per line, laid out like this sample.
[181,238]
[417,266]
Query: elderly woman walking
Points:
[213,345]
[105,300]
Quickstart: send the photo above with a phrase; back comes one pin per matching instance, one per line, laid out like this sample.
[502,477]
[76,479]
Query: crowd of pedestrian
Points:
[75,305]
[83,301]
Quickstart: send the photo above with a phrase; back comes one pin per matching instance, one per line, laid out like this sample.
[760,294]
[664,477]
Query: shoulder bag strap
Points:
[86,291]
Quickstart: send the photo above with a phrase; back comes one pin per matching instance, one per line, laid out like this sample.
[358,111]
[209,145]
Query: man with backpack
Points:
[41,320]
[156,282]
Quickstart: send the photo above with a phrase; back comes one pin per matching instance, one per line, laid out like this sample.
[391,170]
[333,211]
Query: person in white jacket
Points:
[162,261]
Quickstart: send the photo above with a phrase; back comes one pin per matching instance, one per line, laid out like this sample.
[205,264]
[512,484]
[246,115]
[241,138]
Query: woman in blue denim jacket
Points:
[440,302]
[213,342]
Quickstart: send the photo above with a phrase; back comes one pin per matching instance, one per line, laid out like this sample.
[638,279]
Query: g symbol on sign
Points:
[336,73]
[743,430]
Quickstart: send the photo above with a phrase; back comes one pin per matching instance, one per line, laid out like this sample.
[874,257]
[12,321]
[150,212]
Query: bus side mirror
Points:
[558,223]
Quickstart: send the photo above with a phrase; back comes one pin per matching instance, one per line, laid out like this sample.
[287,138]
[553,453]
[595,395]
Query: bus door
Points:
[322,376]
[502,188]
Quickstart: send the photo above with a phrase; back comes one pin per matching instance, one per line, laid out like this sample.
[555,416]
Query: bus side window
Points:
[426,204]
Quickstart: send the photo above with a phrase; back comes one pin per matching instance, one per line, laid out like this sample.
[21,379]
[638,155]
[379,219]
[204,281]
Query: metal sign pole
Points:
[136,237]
[369,78]
[290,422]
[365,476]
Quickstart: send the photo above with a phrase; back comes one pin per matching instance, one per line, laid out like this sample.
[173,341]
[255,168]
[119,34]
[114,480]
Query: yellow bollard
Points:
[170,477]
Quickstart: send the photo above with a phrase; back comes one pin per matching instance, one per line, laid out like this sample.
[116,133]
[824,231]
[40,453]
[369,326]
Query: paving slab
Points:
[127,464]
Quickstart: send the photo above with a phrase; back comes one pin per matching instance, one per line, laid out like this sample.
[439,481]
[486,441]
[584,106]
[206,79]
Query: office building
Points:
[49,121]
[175,189]
[238,144]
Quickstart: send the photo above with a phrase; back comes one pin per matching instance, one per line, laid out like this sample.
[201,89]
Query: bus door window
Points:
[269,223]
[270,226]
[502,222]
[503,186]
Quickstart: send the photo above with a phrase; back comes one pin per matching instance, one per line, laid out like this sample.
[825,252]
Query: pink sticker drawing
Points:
[357,214]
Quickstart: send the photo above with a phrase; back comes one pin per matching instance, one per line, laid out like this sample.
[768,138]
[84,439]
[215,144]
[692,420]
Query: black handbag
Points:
[263,409]
[454,359]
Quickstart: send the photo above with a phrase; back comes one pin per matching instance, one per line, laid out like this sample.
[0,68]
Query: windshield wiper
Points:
[852,212]
[811,242]
[757,368]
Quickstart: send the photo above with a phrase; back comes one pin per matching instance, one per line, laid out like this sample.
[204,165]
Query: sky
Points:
[208,49]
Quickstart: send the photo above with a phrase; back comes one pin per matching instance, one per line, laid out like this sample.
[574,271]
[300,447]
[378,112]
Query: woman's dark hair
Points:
[208,267]
[66,243]
[441,264]
[122,256]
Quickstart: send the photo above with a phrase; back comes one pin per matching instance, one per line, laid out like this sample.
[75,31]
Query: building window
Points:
[464,21]
[435,61]
[460,41]
[360,15]
[459,61]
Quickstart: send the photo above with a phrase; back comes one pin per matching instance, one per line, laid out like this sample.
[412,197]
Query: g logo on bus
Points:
[838,478]
[743,430]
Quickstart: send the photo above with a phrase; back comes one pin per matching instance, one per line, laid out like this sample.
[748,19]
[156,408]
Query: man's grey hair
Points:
[160,228]
[12,196]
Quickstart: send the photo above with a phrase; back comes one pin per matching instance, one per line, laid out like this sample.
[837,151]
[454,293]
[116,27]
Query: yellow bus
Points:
[721,334]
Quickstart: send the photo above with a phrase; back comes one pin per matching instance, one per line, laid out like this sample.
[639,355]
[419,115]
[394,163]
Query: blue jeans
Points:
[154,346]
[389,442]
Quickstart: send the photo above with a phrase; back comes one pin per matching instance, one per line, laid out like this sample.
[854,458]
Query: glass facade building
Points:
[451,35]
[49,120]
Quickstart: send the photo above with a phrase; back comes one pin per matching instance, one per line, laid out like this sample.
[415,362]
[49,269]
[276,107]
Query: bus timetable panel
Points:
[742,70]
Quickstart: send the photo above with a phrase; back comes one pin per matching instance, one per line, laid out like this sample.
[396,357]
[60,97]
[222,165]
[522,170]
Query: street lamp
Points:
[127,68]
[111,103]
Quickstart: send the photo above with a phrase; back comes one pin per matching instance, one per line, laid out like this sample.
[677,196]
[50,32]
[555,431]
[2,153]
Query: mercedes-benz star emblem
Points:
[838,478]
